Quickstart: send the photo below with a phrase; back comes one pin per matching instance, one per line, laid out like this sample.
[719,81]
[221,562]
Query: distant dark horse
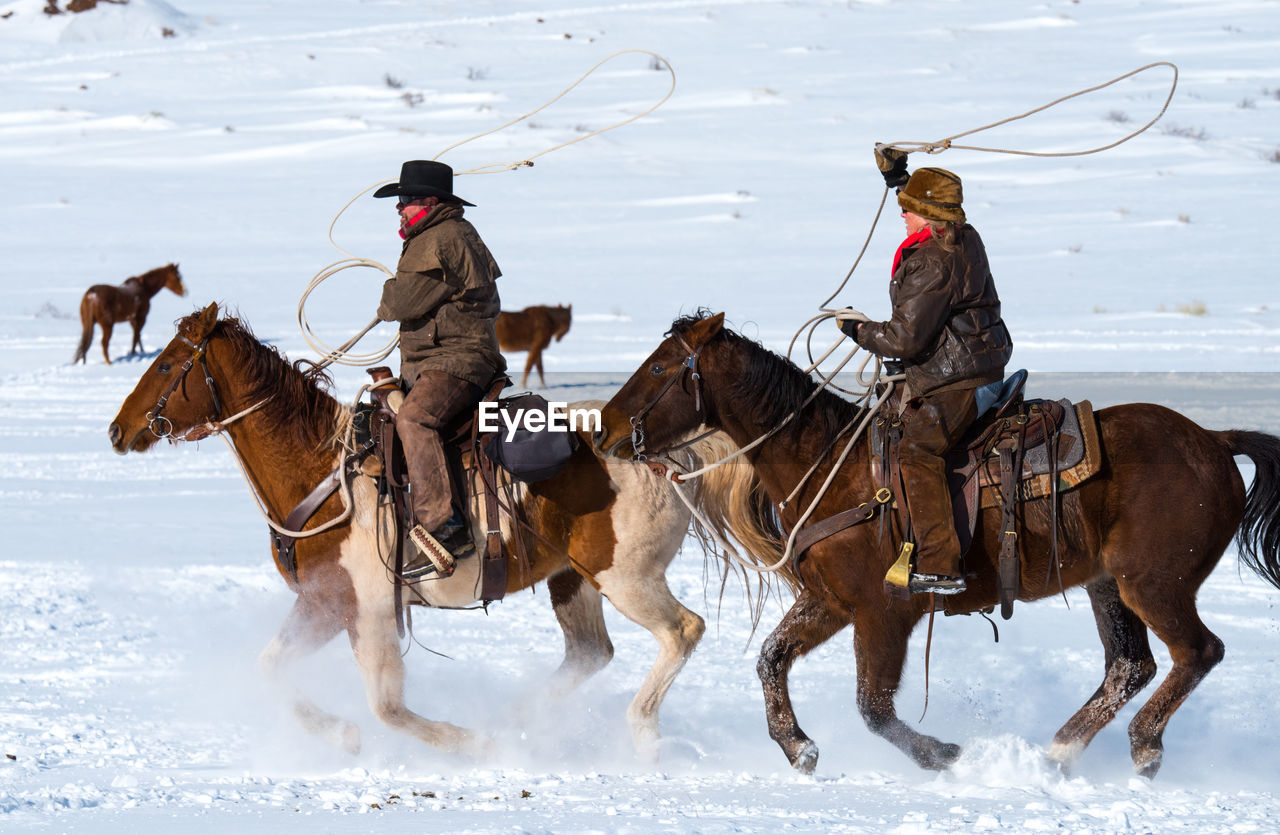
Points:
[106,305]
[1141,536]
[531,330]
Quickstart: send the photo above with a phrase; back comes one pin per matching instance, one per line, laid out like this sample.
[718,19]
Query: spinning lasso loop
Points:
[343,355]
[949,143]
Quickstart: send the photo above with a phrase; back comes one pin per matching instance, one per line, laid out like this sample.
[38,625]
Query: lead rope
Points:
[343,354]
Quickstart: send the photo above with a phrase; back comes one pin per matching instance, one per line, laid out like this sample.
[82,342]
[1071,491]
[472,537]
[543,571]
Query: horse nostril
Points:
[597,438]
[114,434]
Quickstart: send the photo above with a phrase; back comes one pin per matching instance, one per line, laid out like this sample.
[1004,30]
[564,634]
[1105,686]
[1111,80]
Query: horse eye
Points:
[163,367]
[656,369]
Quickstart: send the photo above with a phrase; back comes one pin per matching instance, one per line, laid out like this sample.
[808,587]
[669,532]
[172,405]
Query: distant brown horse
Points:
[106,305]
[531,330]
[601,528]
[1141,536]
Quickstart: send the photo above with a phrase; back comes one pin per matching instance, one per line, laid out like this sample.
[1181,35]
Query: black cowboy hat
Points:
[423,178]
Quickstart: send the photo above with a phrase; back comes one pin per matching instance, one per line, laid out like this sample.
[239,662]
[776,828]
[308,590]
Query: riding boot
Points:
[435,400]
[931,426]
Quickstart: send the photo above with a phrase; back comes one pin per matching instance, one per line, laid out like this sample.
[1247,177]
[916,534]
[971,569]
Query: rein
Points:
[162,427]
[677,478]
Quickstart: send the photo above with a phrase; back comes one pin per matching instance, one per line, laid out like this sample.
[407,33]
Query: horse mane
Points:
[297,402]
[153,279]
[777,387]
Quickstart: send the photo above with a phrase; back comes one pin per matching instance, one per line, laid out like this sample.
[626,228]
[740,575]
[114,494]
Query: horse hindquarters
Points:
[1129,667]
[1173,501]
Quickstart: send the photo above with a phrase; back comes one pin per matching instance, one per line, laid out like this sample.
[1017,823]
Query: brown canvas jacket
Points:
[445,298]
[946,325]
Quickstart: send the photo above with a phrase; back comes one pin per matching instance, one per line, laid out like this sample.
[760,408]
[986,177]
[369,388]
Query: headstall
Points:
[160,425]
[689,368]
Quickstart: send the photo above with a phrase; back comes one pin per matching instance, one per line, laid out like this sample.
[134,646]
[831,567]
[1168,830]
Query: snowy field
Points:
[136,593]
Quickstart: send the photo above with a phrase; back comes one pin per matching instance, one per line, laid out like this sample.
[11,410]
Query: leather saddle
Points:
[463,455]
[1017,450]
[378,454]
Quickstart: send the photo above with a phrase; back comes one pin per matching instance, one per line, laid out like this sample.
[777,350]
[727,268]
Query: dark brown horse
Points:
[531,330]
[106,305]
[601,528]
[1141,537]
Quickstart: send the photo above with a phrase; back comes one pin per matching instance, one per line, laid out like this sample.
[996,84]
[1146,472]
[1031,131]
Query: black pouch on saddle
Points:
[528,455]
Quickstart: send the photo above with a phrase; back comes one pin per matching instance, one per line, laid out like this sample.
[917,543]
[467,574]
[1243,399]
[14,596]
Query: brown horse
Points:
[531,330]
[106,305]
[1141,536]
[598,529]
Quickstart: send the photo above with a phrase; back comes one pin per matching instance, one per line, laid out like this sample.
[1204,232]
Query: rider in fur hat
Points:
[947,331]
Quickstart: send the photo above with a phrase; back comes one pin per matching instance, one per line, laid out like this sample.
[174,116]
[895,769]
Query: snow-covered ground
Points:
[136,592]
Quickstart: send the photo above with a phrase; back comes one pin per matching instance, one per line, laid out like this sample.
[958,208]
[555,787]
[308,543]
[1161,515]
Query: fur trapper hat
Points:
[934,194]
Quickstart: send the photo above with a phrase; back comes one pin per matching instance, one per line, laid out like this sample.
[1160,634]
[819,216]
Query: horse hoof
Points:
[940,756]
[1064,755]
[1148,768]
[806,759]
[349,738]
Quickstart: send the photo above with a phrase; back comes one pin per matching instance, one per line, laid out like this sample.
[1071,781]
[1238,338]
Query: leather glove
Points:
[892,163]
[849,320]
[892,368]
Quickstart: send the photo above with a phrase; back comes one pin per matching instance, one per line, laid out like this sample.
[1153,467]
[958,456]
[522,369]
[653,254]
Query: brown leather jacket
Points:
[445,298]
[946,325]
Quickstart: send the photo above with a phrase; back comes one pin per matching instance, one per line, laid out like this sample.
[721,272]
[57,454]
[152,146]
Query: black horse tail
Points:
[1259,536]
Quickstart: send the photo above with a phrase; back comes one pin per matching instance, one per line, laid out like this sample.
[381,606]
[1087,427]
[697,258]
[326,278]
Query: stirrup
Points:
[935,583]
[441,558]
[897,579]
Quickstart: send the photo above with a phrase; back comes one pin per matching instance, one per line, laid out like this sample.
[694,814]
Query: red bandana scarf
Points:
[918,238]
[408,223]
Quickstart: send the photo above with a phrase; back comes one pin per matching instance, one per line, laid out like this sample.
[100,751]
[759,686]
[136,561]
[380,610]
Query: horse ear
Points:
[702,332]
[203,324]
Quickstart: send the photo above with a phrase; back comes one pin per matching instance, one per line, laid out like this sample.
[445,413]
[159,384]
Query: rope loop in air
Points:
[342,354]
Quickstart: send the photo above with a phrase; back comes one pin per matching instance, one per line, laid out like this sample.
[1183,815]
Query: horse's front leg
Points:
[135,347]
[880,645]
[106,338]
[377,650]
[305,630]
[808,623]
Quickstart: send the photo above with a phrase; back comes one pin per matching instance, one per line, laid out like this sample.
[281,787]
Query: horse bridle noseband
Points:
[160,425]
[689,369]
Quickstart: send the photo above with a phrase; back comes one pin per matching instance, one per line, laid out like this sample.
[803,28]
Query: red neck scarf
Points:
[918,238]
[408,223]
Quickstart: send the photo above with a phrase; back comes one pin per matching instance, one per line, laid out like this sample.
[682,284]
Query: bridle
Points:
[689,369]
[160,425]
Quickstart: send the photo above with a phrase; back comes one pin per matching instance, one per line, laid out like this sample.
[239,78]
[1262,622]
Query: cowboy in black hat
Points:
[445,298]
[947,330]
